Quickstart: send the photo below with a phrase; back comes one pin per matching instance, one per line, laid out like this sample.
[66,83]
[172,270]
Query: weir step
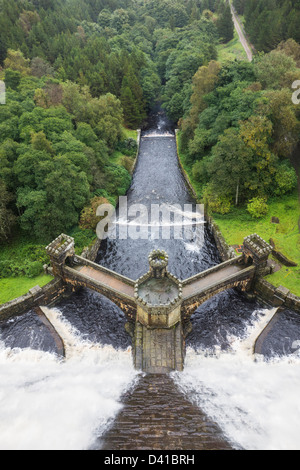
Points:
[157,416]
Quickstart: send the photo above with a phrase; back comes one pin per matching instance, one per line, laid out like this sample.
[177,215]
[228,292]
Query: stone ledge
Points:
[33,298]
[276,296]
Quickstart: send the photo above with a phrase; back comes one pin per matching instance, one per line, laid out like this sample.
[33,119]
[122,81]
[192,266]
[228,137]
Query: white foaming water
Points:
[52,404]
[255,402]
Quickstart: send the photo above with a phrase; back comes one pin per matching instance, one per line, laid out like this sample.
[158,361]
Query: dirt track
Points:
[241,35]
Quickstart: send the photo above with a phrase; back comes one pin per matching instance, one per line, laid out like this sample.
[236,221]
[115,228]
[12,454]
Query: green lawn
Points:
[232,50]
[129,133]
[11,288]
[236,225]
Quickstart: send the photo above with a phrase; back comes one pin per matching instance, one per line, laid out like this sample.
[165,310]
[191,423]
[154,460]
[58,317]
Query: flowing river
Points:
[94,399]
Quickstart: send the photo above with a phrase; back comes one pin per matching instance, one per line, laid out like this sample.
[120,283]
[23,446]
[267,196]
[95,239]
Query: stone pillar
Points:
[158,340]
[59,250]
[257,251]
[158,294]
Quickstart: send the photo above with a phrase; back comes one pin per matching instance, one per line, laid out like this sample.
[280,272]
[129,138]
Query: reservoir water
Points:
[94,399]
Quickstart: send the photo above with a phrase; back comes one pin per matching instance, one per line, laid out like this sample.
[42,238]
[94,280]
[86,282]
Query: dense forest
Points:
[80,73]
[77,73]
[242,128]
[269,22]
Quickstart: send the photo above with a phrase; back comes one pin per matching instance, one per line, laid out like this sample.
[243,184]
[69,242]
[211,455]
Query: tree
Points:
[7,217]
[54,192]
[88,218]
[15,60]
[12,79]
[50,95]
[27,19]
[132,99]
[256,132]
[231,167]
[40,68]
[204,82]
[270,68]
[225,24]
[40,142]
[109,119]
[285,124]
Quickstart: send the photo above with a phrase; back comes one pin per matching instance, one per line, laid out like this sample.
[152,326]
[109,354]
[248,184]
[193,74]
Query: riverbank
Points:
[284,234]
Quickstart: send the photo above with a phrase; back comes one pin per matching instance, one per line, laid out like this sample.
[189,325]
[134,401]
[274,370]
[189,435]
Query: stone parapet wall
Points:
[218,267]
[86,262]
[276,296]
[184,173]
[35,297]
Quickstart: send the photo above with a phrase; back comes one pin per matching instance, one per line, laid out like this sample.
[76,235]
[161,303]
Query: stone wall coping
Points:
[29,300]
[239,276]
[216,268]
[103,286]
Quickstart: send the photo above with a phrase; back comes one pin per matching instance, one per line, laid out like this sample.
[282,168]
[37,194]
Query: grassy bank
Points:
[11,288]
[231,50]
[117,157]
[236,225]
[21,251]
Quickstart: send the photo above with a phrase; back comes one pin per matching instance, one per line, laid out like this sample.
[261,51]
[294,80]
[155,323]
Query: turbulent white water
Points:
[47,403]
[255,402]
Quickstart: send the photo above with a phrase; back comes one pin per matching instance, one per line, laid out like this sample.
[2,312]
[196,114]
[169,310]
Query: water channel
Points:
[94,399]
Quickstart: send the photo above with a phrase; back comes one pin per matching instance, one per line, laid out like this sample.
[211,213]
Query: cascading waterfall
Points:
[254,400]
[48,403]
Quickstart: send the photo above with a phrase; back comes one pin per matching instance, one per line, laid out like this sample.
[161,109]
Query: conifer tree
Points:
[225,24]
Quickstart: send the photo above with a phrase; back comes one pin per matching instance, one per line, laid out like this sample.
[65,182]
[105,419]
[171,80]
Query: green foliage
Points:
[52,158]
[7,217]
[179,54]
[242,127]
[127,147]
[225,23]
[217,204]
[285,179]
[270,22]
[29,269]
[257,207]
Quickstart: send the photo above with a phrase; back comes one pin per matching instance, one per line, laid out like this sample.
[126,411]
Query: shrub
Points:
[127,163]
[258,207]
[88,219]
[127,147]
[216,203]
[220,205]
[33,269]
[29,269]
